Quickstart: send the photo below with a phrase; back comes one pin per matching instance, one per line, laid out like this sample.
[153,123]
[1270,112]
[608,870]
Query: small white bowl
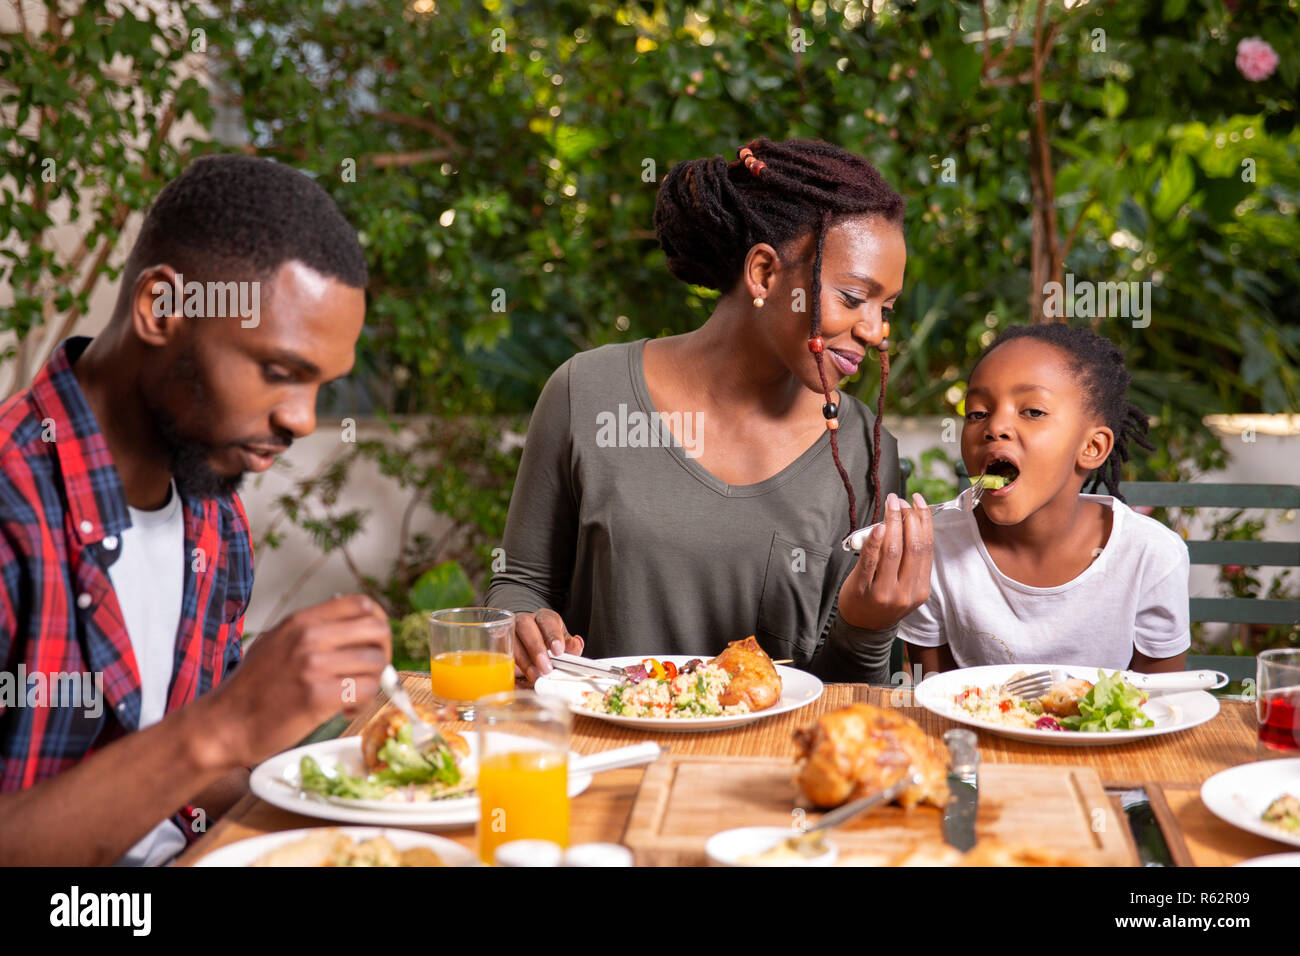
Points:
[726,848]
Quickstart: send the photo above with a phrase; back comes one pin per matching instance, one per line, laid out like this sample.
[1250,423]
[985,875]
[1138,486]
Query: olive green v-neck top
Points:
[614,524]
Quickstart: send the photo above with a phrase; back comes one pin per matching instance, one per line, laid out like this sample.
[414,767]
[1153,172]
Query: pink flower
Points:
[1256,59]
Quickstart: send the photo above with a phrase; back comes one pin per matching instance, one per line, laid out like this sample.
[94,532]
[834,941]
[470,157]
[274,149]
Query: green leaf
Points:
[442,586]
[1176,185]
[1114,99]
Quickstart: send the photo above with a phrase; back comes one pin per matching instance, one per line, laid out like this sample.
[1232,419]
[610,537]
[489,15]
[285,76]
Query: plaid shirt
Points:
[62,513]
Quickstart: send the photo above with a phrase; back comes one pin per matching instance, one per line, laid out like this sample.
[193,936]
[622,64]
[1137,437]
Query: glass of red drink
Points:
[1277,688]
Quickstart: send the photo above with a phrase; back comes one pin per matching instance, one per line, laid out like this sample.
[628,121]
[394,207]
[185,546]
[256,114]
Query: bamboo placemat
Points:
[1196,837]
[600,814]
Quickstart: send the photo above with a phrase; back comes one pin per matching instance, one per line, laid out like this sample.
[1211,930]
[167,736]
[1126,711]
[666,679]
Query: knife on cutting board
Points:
[963,797]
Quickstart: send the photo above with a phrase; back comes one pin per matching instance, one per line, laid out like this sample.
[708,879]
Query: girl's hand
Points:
[892,576]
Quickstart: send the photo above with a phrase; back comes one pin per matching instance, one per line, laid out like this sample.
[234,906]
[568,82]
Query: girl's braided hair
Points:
[710,212]
[1098,364]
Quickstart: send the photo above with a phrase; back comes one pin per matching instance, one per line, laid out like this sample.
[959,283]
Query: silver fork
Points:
[857,539]
[1036,684]
[1032,685]
[422,734]
[811,842]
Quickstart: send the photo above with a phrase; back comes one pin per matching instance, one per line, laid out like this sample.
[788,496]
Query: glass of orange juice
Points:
[471,654]
[523,769]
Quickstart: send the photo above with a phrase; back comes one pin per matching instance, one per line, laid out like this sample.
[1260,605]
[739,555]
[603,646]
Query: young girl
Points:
[1039,573]
[679,493]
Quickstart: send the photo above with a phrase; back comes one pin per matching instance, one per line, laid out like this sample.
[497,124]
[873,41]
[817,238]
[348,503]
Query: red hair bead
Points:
[816,344]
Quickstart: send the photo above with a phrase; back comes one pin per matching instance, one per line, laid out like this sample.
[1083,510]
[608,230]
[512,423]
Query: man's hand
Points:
[314,663]
[892,576]
[535,635]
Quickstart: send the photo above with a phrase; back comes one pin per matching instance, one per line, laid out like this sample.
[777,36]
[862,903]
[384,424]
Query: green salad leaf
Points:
[1112,704]
[406,765]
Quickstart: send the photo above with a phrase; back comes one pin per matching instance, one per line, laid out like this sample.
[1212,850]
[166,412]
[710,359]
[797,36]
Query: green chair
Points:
[1159,494]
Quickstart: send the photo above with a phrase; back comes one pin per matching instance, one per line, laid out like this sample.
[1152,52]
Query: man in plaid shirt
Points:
[125,553]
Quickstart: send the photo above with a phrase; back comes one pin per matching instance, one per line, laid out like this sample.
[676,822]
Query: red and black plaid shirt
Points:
[62,513]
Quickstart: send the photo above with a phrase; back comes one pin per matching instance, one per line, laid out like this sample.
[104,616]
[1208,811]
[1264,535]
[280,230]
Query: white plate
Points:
[455,812]
[798,689]
[1273,859]
[1240,794]
[245,852]
[1171,712]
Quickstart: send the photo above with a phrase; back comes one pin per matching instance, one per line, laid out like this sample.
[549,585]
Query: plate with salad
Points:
[340,780]
[1086,707]
[678,693]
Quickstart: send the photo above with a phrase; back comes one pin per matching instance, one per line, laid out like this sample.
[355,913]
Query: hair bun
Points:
[698,226]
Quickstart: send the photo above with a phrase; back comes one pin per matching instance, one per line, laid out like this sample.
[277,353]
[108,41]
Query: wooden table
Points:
[1170,768]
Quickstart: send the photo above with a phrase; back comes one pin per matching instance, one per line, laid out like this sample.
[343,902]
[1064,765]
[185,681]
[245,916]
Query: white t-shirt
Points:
[149,579]
[1133,595]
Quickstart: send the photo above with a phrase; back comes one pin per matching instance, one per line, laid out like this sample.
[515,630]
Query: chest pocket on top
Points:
[789,610]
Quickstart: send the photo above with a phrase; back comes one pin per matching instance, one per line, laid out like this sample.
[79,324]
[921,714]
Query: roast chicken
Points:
[1062,699]
[862,749]
[390,721]
[754,679]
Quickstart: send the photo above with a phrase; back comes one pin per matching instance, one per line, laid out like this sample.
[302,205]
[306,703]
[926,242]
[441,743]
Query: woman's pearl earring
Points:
[758,302]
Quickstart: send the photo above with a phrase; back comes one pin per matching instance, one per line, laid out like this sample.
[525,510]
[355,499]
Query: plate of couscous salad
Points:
[1106,710]
[683,695]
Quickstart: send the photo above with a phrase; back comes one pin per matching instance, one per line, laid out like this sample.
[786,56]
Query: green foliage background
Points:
[507,155]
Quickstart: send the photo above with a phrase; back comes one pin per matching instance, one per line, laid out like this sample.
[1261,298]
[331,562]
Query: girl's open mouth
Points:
[1004,469]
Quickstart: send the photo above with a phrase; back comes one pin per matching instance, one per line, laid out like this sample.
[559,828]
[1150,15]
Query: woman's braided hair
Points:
[710,212]
[1098,364]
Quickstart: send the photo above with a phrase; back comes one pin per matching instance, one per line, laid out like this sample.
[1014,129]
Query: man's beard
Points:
[188,457]
[194,476]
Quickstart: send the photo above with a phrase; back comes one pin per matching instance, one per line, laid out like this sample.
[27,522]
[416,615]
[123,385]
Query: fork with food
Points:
[991,480]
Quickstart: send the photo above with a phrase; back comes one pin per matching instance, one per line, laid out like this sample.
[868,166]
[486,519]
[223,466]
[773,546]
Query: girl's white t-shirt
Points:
[1133,595]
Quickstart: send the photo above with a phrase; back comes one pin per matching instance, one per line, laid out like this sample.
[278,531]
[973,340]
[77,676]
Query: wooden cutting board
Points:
[684,799]
[1196,837]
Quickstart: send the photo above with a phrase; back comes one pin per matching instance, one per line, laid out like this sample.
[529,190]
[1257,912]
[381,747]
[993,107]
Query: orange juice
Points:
[524,796]
[468,675]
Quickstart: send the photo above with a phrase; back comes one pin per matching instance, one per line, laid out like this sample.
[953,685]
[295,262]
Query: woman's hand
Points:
[536,635]
[892,576]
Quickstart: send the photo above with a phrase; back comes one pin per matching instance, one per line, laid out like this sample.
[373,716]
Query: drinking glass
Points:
[523,769]
[471,654]
[1277,690]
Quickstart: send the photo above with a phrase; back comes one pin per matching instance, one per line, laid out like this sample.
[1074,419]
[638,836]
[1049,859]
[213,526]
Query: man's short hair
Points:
[240,217]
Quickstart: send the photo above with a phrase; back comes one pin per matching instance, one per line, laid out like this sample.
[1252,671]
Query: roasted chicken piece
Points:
[1062,699]
[862,749]
[754,679]
[390,721]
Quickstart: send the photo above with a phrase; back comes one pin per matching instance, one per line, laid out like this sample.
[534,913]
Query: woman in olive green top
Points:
[679,493]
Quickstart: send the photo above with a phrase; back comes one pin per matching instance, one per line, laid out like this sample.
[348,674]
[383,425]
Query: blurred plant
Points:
[92,97]
[934,488]
[501,161]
